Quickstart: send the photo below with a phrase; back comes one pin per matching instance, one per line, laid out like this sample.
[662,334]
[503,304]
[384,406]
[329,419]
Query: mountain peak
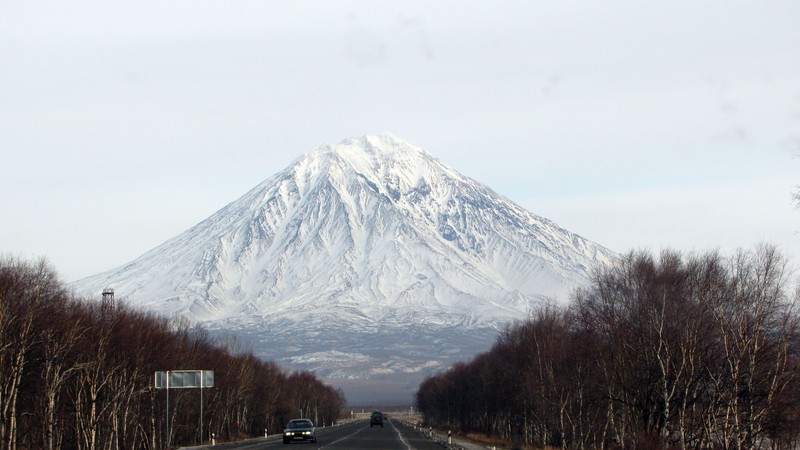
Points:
[385,142]
[383,146]
[384,162]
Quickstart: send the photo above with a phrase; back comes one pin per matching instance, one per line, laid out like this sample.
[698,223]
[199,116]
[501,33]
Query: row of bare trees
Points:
[74,375]
[658,352]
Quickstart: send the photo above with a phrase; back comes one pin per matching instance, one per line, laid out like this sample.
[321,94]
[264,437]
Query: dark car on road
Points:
[376,419]
[299,430]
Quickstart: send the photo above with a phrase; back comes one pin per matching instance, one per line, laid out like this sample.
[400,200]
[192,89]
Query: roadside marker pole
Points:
[168,409]
[201,408]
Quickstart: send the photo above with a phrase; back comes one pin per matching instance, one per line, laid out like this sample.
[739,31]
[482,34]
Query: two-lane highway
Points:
[351,436]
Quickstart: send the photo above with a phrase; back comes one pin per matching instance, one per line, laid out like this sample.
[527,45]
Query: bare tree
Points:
[59,338]
[756,325]
[24,290]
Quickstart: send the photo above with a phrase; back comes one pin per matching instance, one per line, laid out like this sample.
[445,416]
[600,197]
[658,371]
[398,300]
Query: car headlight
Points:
[287,433]
[306,432]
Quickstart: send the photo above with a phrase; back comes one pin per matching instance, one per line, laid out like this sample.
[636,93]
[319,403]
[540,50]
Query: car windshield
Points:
[299,424]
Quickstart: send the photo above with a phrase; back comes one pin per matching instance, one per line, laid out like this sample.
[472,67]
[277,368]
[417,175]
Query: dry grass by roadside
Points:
[501,443]
[486,439]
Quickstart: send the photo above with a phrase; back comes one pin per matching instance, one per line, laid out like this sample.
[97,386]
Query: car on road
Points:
[376,419]
[299,430]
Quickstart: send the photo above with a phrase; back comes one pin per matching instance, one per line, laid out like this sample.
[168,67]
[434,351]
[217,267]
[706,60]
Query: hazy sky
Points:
[635,124]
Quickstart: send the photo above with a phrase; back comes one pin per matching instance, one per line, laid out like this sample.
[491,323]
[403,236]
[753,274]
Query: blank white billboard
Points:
[184,379]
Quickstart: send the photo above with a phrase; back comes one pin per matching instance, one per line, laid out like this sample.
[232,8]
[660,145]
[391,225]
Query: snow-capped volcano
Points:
[369,238]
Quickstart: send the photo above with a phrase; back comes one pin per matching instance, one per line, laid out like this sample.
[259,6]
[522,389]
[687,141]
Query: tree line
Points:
[78,375]
[666,351]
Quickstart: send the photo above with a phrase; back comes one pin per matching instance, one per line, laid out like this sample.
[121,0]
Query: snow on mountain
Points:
[370,239]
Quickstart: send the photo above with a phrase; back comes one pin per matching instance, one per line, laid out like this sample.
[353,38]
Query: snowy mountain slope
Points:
[372,235]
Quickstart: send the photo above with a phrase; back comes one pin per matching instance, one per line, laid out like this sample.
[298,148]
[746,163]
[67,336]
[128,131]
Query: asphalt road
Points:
[352,436]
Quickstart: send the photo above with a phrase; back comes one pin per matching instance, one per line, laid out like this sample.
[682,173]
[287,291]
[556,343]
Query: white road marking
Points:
[346,437]
[408,447]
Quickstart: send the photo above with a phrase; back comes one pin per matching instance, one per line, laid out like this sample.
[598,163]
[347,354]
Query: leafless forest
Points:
[75,375]
[672,351]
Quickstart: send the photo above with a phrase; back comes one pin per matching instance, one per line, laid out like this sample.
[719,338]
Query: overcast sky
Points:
[636,124]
